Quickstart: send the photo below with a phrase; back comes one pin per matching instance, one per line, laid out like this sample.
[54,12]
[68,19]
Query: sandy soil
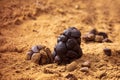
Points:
[24,23]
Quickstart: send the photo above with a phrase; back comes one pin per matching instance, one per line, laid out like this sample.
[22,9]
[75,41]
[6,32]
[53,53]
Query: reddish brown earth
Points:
[24,23]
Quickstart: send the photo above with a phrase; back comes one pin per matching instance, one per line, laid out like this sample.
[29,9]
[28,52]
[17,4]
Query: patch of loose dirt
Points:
[24,23]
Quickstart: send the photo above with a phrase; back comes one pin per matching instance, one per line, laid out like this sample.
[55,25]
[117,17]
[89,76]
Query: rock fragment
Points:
[107,51]
[72,66]
[84,69]
[86,64]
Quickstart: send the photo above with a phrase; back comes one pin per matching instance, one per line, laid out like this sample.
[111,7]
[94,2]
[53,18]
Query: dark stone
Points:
[86,64]
[107,51]
[72,66]
[71,77]
[84,69]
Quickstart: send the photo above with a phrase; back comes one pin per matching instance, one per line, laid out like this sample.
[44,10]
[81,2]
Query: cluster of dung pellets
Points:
[39,54]
[96,36]
[68,47]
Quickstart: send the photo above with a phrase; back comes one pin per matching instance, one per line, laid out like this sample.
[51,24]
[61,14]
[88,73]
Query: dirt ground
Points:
[24,23]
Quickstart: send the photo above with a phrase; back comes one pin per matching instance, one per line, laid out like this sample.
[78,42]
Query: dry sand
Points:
[24,23]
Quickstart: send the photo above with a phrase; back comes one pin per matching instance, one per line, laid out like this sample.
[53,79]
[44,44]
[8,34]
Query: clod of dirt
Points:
[68,46]
[99,38]
[61,11]
[40,55]
[84,69]
[107,51]
[35,30]
[72,66]
[48,71]
[17,71]
[0,55]
[1,75]
[1,33]
[71,77]
[18,22]
[31,16]
[86,64]
[28,68]
[101,74]
[3,41]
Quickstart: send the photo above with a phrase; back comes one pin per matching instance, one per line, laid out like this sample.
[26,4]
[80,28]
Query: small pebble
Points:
[17,22]
[101,74]
[34,30]
[84,69]
[72,66]
[28,68]
[71,77]
[17,71]
[77,6]
[86,64]
[107,51]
